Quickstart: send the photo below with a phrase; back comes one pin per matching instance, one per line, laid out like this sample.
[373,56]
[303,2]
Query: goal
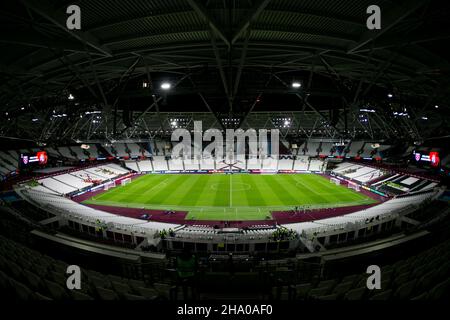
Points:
[125,181]
[109,185]
[353,186]
[336,181]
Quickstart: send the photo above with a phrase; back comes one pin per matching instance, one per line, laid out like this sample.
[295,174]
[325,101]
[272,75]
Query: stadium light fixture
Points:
[166,86]
[296,84]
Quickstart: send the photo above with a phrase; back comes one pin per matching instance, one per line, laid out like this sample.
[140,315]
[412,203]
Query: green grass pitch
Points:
[229,196]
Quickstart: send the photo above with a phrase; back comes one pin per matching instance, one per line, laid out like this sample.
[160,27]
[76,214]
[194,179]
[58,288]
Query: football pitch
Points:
[230,196]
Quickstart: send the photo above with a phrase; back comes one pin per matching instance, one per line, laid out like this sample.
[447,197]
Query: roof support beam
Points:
[45,9]
[203,13]
[241,66]
[390,18]
[220,67]
[252,15]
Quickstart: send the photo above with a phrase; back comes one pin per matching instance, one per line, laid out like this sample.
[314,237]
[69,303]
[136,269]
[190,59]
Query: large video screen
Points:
[33,160]
[427,157]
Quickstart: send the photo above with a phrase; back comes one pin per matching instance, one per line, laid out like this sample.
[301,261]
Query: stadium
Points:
[196,150]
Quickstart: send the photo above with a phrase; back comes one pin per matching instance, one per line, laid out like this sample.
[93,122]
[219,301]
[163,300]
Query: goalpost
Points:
[109,185]
[336,181]
[125,181]
[353,186]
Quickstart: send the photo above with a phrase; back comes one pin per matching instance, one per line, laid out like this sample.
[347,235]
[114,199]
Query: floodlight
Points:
[166,86]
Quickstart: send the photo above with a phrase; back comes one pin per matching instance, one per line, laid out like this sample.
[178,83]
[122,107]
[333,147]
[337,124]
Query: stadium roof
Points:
[226,58]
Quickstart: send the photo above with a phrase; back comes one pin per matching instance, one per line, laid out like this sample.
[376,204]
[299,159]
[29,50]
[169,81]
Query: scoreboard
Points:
[33,160]
[427,157]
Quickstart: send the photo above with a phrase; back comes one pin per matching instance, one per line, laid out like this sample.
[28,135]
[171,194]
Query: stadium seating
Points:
[191,164]
[326,148]
[315,165]
[133,165]
[270,164]
[354,148]
[176,164]
[301,163]
[312,148]
[93,151]
[160,147]
[135,149]
[285,164]
[72,181]
[207,164]
[145,165]
[160,163]
[67,153]
[253,164]
[57,186]
[121,150]
[79,152]
[30,275]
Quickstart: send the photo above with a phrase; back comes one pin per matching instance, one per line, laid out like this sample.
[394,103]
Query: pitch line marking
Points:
[231,186]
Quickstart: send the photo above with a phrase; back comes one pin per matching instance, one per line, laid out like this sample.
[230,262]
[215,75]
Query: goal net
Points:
[335,181]
[109,185]
[125,181]
[354,186]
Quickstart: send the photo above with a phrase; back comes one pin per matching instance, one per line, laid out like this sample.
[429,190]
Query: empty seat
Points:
[384,295]
[121,288]
[148,293]
[301,290]
[56,291]
[355,294]
[342,288]
[405,290]
[40,296]
[440,291]
[22,291]
[77,295]
[129,296]
[106,294]
[33,280]
[163,290]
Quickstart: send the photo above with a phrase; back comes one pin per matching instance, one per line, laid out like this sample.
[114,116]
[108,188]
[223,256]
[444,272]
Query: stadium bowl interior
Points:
[213,150]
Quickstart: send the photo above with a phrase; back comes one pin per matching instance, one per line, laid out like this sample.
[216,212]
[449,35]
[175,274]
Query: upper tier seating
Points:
[160,147]
[66,153]
[93,151]
[121,150]
[354,148]
[311,148]
[326,148]
[79,152]
[135,150]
